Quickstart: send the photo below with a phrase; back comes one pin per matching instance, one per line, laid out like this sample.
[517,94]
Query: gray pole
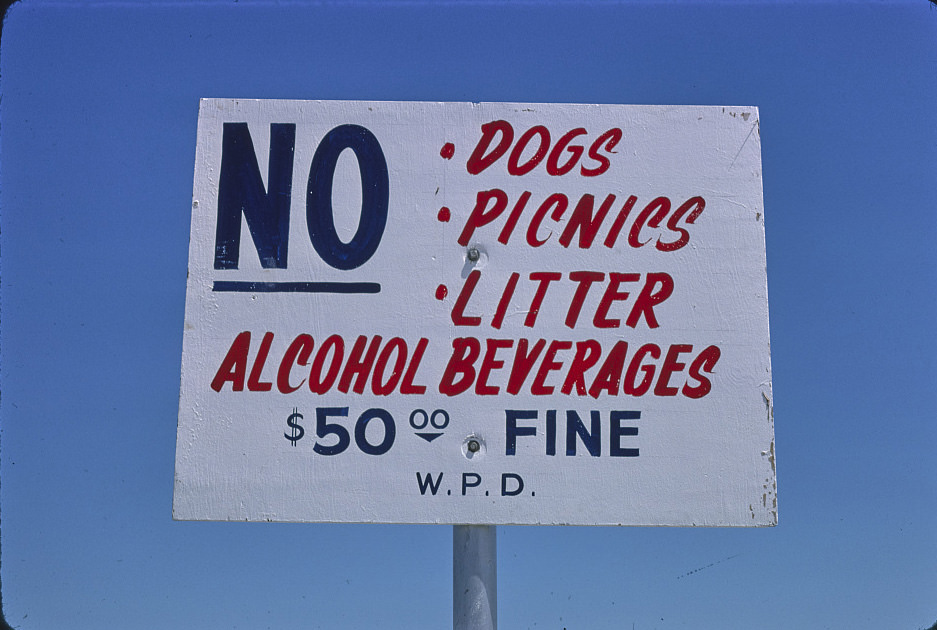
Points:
[474,577]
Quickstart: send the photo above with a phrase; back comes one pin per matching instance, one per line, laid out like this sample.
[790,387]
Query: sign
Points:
[476,313]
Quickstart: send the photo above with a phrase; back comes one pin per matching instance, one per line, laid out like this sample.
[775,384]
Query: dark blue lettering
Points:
[375,194]
[324,428]
[592,440]
[551,432]
[241,191]
[511,429]
[361,427]
[616,431]
[476,481]
[428,482]
[504,485]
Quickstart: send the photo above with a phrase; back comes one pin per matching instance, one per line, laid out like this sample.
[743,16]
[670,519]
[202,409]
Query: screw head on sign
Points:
[473,447]
[472,254]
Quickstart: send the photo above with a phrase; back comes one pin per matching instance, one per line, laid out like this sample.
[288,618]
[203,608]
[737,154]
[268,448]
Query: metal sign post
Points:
[474,577]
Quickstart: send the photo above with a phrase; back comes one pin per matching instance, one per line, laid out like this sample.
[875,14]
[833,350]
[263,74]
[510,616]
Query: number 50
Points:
[342,439]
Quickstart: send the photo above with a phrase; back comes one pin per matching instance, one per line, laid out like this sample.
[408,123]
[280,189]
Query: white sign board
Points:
[476,313]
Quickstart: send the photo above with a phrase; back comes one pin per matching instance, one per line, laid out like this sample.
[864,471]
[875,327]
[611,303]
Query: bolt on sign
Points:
[476,313]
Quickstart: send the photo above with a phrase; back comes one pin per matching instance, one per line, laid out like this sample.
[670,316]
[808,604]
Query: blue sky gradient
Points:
[98,112]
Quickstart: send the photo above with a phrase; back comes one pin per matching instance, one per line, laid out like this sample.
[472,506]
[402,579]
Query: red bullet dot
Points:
[441,292]
[444,214]
[448,150]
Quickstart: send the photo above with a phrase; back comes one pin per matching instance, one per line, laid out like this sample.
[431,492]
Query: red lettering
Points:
[234,365]
[481,215]
[505,300]
[522,169]
[298,352]
[612,294]
[609,376]
[489,363]
[336,346]
[544,278]
[471,366]
[648,299]
[610,138]
[399,346]
[407,386]
[705,361]
[523,363]
[458,309]
[585,280]
[619,222]
[696,204]
[661,206]
[254,384]
[460,370]
[539,386]
[588,353]
[478,161]
[497,137]
[582,221]
[359,364]
[560,202]
[670,366]
[655,222]
[511,223]
[553,167]
[639,389]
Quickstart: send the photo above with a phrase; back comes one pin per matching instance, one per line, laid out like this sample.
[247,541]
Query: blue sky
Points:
[98,120]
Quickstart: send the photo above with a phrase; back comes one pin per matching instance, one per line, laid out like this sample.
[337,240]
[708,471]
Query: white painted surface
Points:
[705,460]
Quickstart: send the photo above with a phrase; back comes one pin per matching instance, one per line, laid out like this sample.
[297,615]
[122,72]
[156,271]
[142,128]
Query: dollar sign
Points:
[296,431]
